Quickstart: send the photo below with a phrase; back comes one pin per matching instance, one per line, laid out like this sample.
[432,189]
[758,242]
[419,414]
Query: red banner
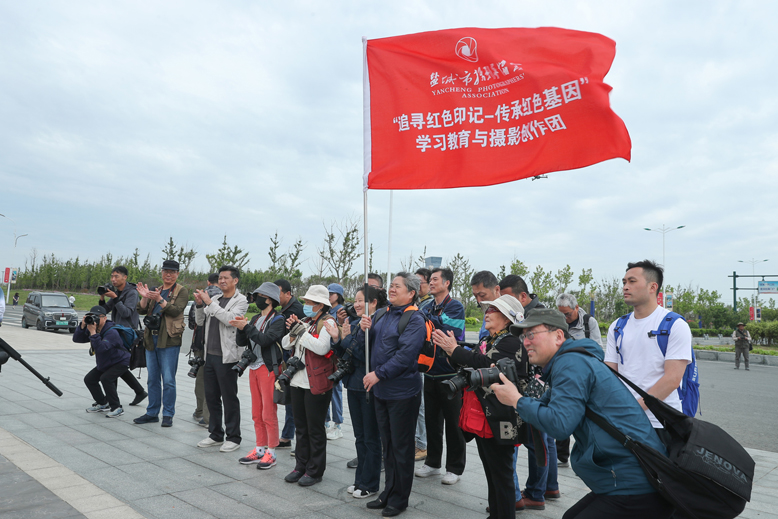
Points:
[476,107]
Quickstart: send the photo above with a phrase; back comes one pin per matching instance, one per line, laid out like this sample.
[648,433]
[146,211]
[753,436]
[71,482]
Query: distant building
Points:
[433,262]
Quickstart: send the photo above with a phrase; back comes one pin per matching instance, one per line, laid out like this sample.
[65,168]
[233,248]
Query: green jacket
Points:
[171,330]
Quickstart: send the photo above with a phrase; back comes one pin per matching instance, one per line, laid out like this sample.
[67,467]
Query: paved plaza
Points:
[58,461]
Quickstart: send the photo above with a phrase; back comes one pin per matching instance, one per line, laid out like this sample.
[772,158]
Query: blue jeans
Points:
[337,404]
[540,479]
[368,441]
[162,364]
[421,429]
[288,432]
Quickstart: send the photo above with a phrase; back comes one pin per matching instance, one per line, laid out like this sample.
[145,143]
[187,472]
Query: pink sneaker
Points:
[250,458]
[267,461]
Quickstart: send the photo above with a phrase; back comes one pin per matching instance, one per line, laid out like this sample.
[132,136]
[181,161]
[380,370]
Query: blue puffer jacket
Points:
[578,381]
[108,346]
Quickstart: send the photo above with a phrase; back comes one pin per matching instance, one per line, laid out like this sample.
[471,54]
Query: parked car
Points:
[49,311]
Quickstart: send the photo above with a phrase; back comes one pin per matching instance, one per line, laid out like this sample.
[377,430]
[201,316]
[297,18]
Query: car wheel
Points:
[24,323]
[39,325]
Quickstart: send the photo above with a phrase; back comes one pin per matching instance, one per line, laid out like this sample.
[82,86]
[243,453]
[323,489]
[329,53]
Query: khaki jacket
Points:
[172,329]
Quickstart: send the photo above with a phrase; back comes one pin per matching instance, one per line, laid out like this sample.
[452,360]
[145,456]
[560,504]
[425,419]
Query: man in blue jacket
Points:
[577,381]
[112,359]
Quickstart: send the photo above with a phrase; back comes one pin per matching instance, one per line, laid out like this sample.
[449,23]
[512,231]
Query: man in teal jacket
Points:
[577,381]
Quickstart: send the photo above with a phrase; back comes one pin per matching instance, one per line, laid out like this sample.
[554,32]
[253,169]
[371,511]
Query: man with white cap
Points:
[495,427]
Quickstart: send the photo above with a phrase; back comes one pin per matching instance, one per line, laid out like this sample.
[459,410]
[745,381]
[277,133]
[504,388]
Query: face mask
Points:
[308,311]
[262,304]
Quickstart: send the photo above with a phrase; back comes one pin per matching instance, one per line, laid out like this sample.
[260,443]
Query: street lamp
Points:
[753,263]
[16,240]
[664,230]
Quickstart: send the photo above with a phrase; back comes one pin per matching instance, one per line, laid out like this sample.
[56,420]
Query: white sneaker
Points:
[208,442]
[334,433]
[229,446]
[450,478]
[361,494]
[98,408]
[424,471]
[350,489]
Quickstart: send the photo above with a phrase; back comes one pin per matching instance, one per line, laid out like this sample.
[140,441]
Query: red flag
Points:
[476,107]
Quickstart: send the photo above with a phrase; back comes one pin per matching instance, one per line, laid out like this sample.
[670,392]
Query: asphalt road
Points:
[744,403]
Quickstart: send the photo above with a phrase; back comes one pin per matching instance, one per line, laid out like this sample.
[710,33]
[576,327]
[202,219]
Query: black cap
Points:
[170,265]
[547,316]
[98,310]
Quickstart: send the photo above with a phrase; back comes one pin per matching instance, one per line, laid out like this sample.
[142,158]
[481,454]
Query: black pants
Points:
[368,441]
[221,386]
[440,412]
[562,450]
[397,425]
[642,506]
[311,448]
[107,378]
[131,381]
[498,467]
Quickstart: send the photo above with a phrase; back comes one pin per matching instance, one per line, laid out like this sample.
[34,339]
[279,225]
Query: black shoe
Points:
[167,421]
[293,477]
[391,511]
[352,464]
[376,505]
[307,481]
[284,444]
[139,398]
[146,419]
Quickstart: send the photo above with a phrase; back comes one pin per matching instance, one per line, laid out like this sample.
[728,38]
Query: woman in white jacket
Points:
[310,390]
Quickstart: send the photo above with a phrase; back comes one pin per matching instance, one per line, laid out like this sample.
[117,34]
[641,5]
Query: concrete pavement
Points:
[101,467]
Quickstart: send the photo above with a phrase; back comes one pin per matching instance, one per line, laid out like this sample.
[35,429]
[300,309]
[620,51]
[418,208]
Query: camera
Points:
[344,367]
[152,322]
[481,377]
[350,312]
[92,319]
[108,287]
[293,365]
[196,363]
[247,359]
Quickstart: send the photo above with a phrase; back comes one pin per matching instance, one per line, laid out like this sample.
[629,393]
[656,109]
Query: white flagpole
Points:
[389,255]
[367,151]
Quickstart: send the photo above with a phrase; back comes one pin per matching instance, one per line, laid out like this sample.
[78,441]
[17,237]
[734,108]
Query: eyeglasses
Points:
[531,335]
[568,314]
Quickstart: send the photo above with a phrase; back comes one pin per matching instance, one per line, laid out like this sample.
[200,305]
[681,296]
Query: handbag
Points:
[138,352]
[706,473]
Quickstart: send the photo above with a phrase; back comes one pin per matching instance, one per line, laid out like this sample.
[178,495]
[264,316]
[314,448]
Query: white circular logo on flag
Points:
[466,49]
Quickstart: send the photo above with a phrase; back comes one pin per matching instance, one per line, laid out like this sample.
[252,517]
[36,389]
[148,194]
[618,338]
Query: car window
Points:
[55,301]
[30,298]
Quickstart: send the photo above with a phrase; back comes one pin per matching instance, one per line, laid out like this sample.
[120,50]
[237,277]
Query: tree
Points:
[227,255]
[563,278]
[463,273]
[182,254]
[340,249]
[542,284]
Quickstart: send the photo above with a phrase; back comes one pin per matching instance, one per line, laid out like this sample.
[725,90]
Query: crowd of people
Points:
[411,380]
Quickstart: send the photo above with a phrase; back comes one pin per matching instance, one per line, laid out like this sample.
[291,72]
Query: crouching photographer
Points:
[351,369]
[495,427]
[112,360]
[263,358]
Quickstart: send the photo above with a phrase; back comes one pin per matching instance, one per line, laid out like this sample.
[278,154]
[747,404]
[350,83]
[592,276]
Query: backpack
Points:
[706,473]
[428,348]
[129,336]
[689,391]
[585,318]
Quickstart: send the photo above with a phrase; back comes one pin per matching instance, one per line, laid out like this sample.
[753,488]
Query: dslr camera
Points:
[345,367]
[152,322]
[92,319]
[350,312]
[481,377]
[247,359]
[293,365]
[108,287]
[196,363]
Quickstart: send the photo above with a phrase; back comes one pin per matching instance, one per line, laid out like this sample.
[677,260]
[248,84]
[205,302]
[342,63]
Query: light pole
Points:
[663,231]
[16,239]
[753,263]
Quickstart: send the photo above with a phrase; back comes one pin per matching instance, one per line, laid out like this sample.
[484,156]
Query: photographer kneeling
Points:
[112,360]
[310,389]
[351,369]
[495,426]
[263,357]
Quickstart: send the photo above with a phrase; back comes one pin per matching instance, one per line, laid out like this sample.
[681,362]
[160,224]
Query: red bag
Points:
[472,418]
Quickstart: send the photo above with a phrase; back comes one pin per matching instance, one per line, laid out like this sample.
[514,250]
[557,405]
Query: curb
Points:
[729,356]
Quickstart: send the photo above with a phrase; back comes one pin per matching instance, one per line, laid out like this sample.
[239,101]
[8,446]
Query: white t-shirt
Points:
[643,361]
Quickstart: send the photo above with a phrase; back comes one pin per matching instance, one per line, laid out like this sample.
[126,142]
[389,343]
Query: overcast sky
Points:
[123,123]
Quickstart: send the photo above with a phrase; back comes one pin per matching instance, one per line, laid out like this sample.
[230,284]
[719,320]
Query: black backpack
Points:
[706,474]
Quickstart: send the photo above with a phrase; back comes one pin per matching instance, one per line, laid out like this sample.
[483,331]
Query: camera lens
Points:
[485,377]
